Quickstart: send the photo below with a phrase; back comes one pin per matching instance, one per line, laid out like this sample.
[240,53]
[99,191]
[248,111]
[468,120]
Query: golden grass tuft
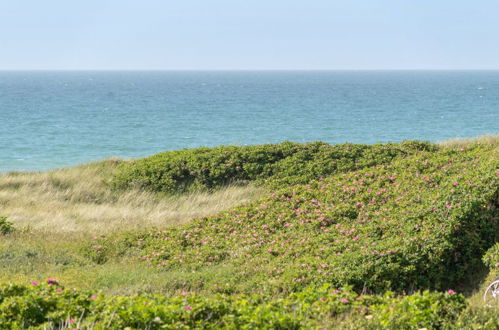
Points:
[78,200]
[492,139]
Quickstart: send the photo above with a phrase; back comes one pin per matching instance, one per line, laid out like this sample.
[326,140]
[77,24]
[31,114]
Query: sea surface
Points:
[56,119]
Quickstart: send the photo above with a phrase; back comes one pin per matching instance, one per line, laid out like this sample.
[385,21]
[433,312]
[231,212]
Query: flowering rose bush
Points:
[50,305]
[422,221]
[275,164]
[23,306]
[420,310]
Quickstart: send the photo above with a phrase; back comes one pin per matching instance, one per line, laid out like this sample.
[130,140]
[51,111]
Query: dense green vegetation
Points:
[422,221]
[348,236]
[491,259]
[6,227]
[51,305]
[275,164]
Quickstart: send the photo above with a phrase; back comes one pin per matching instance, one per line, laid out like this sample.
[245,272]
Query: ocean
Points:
[52,119]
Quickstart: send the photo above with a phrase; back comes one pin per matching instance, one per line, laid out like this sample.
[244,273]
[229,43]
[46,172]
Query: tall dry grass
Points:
[492,139]
[56,213]
[78,199]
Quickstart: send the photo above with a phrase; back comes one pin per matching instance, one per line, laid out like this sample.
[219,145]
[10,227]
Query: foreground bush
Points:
[422,221]
[420,310]
[6,227]
[276,164]
[491,258]
[474,318]
[51,305]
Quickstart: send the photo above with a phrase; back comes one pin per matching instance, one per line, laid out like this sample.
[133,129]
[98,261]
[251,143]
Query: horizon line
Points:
[236,70]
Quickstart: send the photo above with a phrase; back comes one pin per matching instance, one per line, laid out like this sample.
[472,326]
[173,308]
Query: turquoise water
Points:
[55,119]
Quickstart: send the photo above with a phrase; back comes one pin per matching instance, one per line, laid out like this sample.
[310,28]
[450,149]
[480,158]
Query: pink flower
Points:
[344,300]
[51,281]
[455,183]
[323,299]
[34,283]
[93,297]
[188,308]
[58,290]
[451,292]
[323,265]
[336,291]
[184,293]
[71,321]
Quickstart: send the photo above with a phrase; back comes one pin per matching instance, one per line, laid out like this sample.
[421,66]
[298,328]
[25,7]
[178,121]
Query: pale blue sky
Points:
[249,34]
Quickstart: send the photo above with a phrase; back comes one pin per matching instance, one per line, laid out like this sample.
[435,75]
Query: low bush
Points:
[423,221]
[491,258]
[6,227]
[276,164]
[476,318]
[420,310]
[50,305]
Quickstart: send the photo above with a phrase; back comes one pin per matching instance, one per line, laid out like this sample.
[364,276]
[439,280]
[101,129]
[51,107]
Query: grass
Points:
[78,200]
[489,139]
[57,215]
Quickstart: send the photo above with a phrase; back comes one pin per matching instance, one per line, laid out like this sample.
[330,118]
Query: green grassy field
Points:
[277,236]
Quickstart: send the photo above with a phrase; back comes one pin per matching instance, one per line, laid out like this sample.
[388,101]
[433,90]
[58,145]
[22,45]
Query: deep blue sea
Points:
[56,119]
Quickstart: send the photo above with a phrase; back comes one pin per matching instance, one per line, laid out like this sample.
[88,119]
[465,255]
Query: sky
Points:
[248,34]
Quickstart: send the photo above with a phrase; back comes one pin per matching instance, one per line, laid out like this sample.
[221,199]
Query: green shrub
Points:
[6,227]
[276,164]
[322,160]
[50,305]
[25,306]
[491,258]
[422,221]
[103,248]
[100,250]
[430,310]
[483,318]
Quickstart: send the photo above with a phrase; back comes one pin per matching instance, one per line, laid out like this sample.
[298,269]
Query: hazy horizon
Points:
[248,70]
